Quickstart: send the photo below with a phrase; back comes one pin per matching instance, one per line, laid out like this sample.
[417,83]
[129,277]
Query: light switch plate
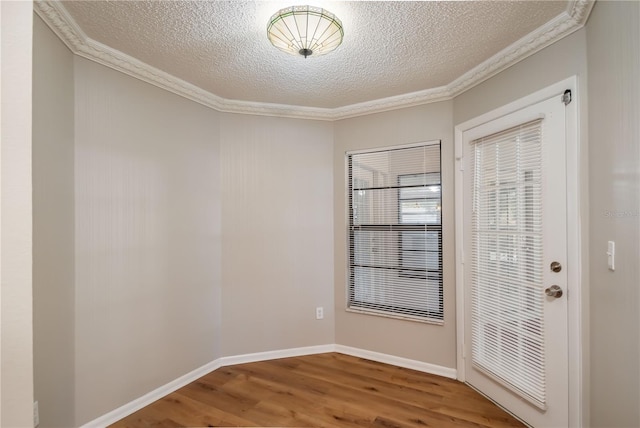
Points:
[611,255]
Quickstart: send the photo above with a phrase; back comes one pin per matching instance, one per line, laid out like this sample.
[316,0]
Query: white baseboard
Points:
[398,361]
[272,355]
[137,404]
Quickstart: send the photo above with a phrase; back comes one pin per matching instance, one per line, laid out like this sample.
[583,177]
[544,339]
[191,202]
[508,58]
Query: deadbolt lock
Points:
[555,266]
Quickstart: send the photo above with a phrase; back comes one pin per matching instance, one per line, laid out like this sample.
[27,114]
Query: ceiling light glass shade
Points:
[305,30]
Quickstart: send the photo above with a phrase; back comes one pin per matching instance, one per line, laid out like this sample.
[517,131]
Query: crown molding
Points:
[561,26]
[426,96]
[63,25]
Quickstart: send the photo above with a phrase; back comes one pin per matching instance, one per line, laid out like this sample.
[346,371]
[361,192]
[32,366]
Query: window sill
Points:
[395,316]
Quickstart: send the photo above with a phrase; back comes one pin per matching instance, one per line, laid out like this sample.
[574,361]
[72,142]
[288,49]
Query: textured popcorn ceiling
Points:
[389,48]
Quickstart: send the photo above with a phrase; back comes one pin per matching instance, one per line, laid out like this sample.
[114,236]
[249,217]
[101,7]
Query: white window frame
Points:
[439,319]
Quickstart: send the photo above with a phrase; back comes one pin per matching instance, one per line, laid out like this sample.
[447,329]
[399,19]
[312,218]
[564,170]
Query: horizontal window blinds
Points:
[506,264]
[395,232]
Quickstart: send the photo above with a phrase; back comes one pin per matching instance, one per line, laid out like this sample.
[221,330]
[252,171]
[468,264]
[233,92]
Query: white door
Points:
[515,262]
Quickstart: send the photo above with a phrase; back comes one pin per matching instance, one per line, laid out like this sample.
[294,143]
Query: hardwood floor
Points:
[325,390]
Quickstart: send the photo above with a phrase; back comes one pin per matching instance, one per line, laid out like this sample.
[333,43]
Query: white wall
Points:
[53,228]
[434,344]
[147,238]
[16,343]
[613,50]
[277,227]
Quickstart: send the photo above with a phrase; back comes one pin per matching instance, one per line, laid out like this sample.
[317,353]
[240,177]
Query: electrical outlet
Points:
[319,313]
[36,414]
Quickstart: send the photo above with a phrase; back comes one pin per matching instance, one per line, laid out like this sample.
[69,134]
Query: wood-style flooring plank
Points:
[325,390]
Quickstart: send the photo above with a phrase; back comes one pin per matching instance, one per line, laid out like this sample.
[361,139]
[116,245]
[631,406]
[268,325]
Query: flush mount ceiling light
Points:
[305,30]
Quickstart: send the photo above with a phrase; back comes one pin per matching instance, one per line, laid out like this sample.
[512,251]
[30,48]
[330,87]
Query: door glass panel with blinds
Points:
[395,232]
[507,301]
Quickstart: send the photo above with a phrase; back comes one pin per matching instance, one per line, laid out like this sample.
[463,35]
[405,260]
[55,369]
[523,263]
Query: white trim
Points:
[383,314]
[574,250]
[427,96]
[137,404]
[398,361]
[460,259]
[561,26]
[578,405]
[541,95]
[373,311]
[272,355]
[58,19]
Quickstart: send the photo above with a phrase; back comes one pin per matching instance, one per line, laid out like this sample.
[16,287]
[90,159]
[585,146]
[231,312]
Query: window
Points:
[395,232]
[507,303]
[419,203]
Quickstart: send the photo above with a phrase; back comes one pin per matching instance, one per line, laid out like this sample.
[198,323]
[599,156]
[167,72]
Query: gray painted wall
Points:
[434,344]
[613,51]
[147,238]
[152,171]
[277,205]
[557,62]
[53,228]
[132,186]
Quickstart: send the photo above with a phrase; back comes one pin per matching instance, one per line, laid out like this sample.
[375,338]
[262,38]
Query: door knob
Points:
[553,291]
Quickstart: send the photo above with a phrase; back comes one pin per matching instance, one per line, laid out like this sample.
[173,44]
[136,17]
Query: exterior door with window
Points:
[515,256]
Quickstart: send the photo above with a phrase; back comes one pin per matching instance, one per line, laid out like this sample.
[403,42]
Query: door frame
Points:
[575,281]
